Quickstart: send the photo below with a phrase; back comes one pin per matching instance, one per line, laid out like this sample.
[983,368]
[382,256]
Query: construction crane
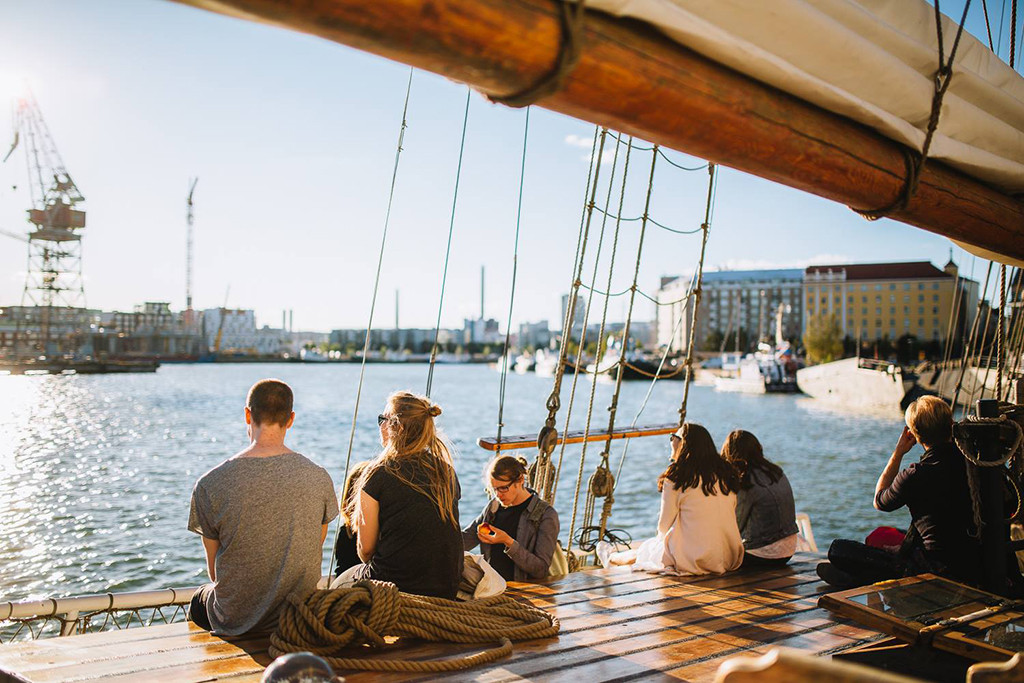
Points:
[54,278]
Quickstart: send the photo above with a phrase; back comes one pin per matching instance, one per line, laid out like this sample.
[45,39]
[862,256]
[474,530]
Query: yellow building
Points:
[876,300]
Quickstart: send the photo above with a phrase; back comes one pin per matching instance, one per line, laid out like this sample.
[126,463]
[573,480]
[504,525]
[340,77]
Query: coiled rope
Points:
[324,621]
[963,442]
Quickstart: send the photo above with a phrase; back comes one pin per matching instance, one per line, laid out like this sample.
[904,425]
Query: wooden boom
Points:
[511,443]
[633,79]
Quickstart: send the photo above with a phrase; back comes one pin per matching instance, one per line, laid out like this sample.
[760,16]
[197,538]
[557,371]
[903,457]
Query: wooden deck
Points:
[616,625]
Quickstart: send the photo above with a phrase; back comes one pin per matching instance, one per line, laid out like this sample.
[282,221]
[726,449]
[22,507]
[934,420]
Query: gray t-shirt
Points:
[267,514]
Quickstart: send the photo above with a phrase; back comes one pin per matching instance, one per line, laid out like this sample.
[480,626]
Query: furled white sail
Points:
[872,61]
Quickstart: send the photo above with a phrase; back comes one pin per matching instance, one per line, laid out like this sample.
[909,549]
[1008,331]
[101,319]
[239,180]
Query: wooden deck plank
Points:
[205,653]
[615,624]
[67,651]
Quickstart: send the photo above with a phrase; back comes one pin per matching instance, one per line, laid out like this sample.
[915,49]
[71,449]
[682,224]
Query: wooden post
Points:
[995,534]
[632,78]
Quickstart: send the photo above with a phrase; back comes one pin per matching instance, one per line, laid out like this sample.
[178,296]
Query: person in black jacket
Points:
[941,538]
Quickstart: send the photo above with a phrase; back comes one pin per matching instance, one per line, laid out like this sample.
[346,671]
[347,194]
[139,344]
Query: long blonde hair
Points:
[415,437]
[348,494]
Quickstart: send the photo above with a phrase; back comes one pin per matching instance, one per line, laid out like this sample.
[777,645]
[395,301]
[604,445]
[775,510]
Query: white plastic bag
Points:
[485,581]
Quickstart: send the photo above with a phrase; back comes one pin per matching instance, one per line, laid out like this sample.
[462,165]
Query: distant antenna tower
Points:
[54,278]
[188,256]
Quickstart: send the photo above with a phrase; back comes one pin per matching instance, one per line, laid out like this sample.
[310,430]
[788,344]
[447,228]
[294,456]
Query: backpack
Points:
[559,562]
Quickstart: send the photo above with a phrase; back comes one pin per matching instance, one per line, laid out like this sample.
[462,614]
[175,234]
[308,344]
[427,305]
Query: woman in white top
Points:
[697,531]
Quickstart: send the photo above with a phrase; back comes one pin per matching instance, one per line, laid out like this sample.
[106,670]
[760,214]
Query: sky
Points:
[293,139]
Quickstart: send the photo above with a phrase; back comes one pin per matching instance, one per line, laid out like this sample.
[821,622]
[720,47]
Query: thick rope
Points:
[706,226]
[448,249]
[512,295]
[373,301]
[966,446]
[324,621]
[571,18]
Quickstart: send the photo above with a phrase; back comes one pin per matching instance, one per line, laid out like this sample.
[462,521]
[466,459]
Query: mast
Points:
[631,78]
[188,257]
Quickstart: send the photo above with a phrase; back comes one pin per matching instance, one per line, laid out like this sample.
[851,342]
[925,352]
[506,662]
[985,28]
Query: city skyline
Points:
[293,139]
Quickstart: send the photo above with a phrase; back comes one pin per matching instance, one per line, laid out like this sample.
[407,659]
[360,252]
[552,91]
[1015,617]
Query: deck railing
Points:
[33,619]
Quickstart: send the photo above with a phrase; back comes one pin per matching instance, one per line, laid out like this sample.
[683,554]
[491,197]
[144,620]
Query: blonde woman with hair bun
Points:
[406,509]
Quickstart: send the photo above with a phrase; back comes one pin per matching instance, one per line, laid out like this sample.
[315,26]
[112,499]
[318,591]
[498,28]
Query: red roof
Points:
[906,270]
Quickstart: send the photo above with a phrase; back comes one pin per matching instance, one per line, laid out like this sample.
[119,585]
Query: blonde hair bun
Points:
[434,410]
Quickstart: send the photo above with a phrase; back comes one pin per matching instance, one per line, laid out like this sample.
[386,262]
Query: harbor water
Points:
[96,471]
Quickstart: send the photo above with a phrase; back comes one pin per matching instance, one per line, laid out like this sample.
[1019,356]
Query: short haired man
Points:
[263,516]
[935,490]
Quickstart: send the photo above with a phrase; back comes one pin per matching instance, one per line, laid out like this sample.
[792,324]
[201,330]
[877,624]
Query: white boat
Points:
[524,363]
[312,356]
[857,383]
[759,373]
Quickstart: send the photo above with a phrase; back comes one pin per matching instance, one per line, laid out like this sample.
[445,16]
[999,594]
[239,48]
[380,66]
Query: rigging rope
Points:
[448,249]
[512,296]
[571,21]
[588,512]
[706,226]
[650,390]
[373,299]
[968,348]
[1001,328]
[603,482]
[324,621]
[914,161]
[548,435]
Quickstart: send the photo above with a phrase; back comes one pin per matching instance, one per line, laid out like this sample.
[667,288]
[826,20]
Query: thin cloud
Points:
[766,264]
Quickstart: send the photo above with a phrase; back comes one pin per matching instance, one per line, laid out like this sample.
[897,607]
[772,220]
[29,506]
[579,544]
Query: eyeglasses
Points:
[381,419]
[506,487]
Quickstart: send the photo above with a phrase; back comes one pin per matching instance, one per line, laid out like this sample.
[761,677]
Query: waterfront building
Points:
[230,330]
[872,301]
[578,314]
[641,332]
[153,329]
[415,340]
[482,331]
[534,335]
[734,303]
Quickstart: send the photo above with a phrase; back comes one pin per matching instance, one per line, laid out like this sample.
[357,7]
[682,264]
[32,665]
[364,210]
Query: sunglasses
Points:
[506,487]
[381,419]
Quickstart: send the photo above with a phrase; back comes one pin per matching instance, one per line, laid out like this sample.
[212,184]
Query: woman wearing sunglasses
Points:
[406,510]
[517,530]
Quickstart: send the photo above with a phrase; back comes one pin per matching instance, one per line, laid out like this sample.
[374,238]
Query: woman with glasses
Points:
[517,530]
[406,511]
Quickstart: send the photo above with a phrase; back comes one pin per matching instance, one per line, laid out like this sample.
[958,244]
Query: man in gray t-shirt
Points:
[263,516]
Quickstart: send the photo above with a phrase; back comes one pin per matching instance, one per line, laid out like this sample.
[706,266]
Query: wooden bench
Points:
[614,623]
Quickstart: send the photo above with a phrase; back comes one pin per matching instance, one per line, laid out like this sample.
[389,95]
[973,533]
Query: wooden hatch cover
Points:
[511,443]
[930,610]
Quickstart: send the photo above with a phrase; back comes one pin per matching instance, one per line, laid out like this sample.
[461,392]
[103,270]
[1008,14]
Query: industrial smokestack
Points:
[481,292]
[291,320]
[396,309]
[284,320]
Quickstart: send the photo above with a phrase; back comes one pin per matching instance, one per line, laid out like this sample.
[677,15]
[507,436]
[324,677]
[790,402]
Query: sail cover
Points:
[872,61]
